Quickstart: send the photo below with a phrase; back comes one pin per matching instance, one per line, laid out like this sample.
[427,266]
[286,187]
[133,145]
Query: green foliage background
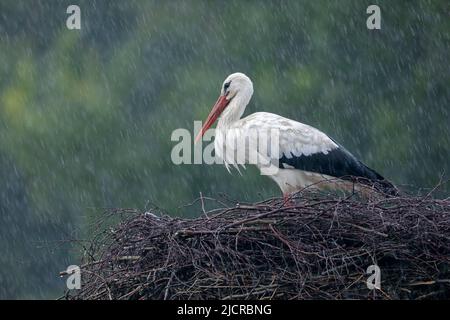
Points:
[86,116]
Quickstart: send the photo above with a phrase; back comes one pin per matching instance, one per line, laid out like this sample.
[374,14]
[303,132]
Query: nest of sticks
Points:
[318,246]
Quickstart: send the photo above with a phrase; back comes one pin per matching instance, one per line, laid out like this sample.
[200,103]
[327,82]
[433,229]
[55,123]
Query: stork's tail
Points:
[387,187]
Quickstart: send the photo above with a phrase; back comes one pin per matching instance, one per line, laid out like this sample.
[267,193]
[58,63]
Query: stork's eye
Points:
[226,86]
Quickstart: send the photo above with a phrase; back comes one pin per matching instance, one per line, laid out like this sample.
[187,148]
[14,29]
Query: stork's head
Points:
[236,92]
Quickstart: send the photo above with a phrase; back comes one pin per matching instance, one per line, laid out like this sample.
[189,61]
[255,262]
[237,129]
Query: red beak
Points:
[218,108]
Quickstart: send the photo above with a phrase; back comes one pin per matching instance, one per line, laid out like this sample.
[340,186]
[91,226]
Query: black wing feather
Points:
[338,163]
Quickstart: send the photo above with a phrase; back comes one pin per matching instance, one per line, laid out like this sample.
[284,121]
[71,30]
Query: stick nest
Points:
[318,246]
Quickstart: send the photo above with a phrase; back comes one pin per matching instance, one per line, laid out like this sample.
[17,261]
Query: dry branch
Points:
[317,248]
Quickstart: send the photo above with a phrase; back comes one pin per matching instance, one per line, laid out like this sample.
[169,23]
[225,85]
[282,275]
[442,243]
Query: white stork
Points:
[304,155]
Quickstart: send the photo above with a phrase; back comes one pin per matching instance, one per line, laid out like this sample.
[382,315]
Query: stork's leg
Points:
[287,200]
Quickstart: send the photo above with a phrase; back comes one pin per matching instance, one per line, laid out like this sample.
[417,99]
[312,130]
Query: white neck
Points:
[235,109]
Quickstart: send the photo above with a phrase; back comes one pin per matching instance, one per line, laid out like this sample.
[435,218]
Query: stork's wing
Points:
[306,148]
